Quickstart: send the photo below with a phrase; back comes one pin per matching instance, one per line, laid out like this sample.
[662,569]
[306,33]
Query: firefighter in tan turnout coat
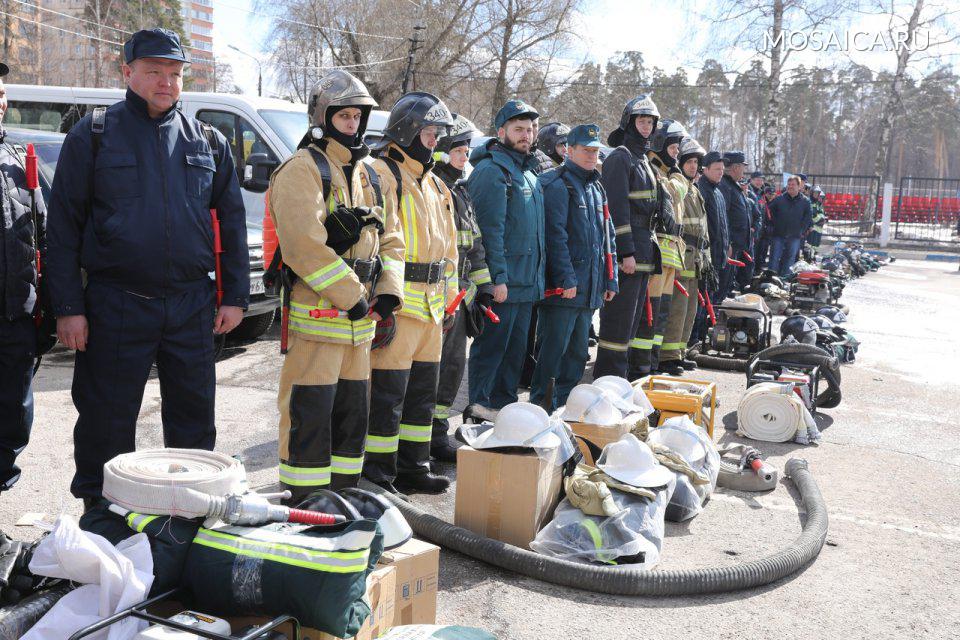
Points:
[338,248]
[405,371]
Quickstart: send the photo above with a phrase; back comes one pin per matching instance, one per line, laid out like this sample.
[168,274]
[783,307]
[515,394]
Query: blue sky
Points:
[670,34]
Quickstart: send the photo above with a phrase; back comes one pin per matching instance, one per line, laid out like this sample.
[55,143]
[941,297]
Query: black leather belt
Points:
[366,270]
[428,272]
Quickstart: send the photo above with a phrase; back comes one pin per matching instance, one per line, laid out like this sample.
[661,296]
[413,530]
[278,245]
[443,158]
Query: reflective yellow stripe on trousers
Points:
[415,432]
[304,476]
[382,444]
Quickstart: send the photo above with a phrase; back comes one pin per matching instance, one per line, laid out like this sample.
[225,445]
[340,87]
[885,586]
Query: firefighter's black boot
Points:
[422,483]
[671,368]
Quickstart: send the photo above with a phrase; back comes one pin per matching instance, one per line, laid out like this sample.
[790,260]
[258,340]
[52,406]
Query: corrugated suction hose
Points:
[16,619]
[625,580]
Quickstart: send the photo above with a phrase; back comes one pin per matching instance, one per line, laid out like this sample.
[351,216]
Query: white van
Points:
[251,125]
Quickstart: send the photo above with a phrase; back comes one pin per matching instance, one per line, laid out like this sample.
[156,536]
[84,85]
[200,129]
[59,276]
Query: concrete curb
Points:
[938,257]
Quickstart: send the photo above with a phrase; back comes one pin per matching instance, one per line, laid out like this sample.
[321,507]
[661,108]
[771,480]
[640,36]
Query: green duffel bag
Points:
[317,574]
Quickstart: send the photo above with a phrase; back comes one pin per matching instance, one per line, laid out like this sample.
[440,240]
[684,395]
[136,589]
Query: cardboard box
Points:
[602,435]
[417,565]
[381,590]
[507,497]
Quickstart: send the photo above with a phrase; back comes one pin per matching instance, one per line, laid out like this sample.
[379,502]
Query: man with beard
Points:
[509,206]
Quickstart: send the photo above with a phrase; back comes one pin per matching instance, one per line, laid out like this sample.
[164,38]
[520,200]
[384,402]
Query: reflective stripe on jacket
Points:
[299,208]
[425,213]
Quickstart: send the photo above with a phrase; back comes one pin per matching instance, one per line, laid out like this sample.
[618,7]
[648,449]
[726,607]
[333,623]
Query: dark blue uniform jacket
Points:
[716,208]
[137,216]
[739,214]
[576,253]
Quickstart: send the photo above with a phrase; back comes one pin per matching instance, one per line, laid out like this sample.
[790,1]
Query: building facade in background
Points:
[198,25]
[21,50]
[69,49]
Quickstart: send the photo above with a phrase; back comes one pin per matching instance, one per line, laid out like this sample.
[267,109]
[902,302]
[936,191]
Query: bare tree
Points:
[764,25]
[370,38]
[905,34]
[524,28]
[223,80]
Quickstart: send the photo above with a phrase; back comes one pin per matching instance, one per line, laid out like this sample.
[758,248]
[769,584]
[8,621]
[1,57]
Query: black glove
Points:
[485,298]
[359,310]
[343,229]
[448,321]
[385,304]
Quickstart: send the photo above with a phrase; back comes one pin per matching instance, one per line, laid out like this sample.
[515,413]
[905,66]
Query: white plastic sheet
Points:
[692,442]
[638,528]
[113,579]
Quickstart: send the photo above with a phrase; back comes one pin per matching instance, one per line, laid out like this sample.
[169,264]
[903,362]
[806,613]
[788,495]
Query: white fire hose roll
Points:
[181,482]
[772,412]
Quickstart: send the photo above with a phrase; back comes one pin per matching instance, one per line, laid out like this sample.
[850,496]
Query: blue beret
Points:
[154,43]
[514,109]
[587,135]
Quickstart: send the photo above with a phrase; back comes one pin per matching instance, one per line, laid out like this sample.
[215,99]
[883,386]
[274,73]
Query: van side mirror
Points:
[257,172]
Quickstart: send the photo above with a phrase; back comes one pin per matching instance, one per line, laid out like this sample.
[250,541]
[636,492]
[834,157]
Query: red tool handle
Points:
[302,516]
[553,292]
[736,263]
[747,256]
[33,178]
[217,250]
[284,328]
[713,316]
[648,307]
[33,183]
[494,318]
[700,297]
[607,241]
[327,313]
[681,288]
[452,307]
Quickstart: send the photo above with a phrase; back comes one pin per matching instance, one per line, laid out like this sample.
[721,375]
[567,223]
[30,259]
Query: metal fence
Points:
[927,210]
[852,204]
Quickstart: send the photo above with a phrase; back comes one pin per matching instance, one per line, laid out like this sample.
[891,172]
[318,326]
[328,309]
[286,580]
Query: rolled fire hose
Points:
[772,412]
[627,580]
[192,483]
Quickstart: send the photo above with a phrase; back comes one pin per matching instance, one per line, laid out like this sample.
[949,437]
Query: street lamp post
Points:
[259,68]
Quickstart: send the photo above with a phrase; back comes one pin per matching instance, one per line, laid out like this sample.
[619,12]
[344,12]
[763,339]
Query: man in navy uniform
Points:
[20,240]
[131,206]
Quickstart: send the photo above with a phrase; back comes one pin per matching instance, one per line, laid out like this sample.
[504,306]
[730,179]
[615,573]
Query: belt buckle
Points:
[363,269]
[435,272]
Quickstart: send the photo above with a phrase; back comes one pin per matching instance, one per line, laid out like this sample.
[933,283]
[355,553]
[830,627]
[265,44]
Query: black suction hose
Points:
[16,619]
[720,363]
[629,581]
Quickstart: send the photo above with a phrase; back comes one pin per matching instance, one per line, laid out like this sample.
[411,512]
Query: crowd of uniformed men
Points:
[390,264]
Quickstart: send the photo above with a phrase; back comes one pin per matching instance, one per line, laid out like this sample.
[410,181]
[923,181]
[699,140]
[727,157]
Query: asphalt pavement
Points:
[888,467]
